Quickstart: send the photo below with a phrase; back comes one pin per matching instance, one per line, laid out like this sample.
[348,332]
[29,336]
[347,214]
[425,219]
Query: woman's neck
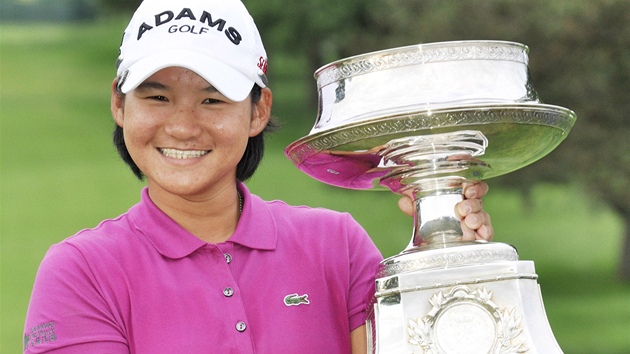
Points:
[212,217]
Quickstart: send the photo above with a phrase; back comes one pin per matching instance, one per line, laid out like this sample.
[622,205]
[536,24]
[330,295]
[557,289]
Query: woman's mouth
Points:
[183,154]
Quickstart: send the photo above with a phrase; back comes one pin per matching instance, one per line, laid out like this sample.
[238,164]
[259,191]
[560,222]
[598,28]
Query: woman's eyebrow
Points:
[151,85]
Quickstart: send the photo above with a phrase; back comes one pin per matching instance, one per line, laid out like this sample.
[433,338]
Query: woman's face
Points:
[184,135]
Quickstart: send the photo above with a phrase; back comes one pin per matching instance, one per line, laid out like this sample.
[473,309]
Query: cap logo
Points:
[205,18]
[262,64]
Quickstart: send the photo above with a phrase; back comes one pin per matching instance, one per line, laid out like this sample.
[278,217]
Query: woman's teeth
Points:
[183,154]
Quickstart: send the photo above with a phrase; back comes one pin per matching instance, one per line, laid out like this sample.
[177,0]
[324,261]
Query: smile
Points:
[183,154]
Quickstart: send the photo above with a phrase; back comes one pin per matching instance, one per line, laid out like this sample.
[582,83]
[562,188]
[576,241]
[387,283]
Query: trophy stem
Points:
[435,221]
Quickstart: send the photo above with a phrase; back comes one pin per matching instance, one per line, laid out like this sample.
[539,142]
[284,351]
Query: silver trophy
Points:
[420,121]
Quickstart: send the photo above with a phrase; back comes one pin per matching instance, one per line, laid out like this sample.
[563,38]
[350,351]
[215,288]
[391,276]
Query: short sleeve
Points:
[364,262]
[68,312]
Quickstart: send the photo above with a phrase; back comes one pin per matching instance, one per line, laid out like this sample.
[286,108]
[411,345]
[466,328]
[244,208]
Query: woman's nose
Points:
[184,124]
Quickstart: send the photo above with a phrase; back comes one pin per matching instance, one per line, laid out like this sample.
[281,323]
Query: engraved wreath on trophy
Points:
[466,318]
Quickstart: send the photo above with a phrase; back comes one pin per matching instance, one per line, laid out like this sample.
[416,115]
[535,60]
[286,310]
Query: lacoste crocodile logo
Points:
[296,300]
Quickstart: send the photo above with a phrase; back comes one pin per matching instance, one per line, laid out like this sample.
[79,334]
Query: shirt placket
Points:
[233,301]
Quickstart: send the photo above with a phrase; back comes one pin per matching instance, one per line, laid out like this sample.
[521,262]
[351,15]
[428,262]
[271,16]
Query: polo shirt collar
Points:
[257,227]
[255,230]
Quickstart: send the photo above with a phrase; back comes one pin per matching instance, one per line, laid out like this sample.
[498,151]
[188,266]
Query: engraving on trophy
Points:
[433,260]
[465,328]
[466,321]
[421,55]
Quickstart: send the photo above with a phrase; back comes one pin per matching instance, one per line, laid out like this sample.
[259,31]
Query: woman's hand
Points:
[475,222]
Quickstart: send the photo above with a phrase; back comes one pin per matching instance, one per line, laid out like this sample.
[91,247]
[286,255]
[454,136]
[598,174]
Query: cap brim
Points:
[231,83]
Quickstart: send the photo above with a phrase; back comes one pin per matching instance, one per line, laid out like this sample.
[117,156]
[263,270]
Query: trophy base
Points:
[474,298]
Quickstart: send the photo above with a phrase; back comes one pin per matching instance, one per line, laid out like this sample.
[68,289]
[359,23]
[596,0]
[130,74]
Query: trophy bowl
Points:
[421,121]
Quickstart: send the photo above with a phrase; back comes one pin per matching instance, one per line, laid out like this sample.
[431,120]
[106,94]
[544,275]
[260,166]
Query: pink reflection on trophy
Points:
[347,169]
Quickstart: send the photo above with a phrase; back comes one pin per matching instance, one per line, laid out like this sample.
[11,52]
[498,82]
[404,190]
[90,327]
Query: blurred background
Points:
[569,212]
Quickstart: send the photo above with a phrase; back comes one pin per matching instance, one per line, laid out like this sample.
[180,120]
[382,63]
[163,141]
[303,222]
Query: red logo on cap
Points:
[262,64]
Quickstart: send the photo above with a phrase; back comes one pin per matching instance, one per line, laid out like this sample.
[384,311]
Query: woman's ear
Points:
[261,112]
[117,104]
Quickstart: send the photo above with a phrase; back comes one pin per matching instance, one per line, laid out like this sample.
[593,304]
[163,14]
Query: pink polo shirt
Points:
[290,280]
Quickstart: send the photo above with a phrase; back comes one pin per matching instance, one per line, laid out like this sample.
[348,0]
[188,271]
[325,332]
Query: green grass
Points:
[59,174]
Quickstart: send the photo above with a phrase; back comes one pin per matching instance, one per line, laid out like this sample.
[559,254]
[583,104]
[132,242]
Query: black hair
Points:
[246,166]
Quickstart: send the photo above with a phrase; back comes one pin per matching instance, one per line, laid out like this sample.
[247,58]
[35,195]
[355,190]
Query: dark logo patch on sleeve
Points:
[41,334]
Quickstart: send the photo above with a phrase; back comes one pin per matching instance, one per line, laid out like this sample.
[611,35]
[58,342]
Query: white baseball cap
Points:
[217,39]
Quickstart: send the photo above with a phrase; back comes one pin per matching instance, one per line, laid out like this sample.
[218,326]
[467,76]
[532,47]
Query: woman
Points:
[201,265]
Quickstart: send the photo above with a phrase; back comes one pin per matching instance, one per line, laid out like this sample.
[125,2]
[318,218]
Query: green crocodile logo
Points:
[295,300]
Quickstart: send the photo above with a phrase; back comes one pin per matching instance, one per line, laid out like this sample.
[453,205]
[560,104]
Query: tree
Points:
[120,6]
[320,31]
[580,59]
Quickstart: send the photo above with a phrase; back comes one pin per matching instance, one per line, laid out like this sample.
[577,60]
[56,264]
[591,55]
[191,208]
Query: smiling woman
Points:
[187,139]
[133,283]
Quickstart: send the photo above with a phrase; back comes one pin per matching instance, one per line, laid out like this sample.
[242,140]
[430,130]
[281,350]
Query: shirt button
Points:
[228,258]
[241,326]
[228,292]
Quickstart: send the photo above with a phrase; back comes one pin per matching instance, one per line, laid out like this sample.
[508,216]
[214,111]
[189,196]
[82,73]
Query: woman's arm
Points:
[358,340]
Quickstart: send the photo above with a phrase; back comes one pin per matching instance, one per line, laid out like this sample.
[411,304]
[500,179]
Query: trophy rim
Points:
[428,119]
[428,52]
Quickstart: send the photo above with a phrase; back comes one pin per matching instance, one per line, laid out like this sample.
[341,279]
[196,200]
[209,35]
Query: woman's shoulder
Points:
[109,236]
[321,222]
[106,231]
[304,213]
